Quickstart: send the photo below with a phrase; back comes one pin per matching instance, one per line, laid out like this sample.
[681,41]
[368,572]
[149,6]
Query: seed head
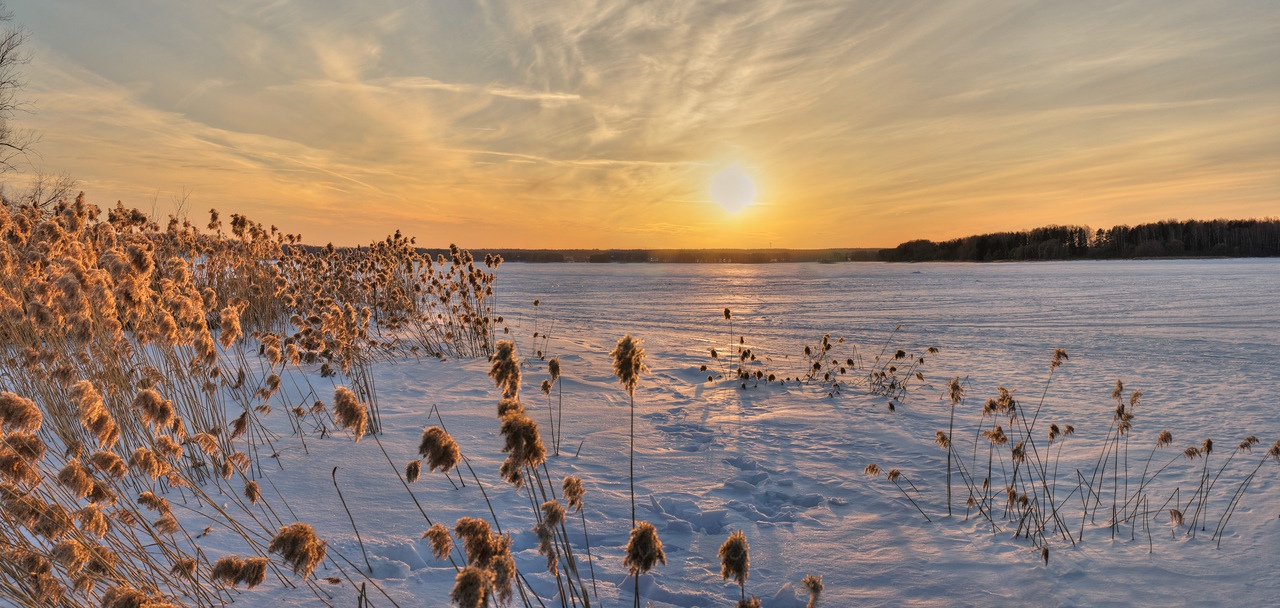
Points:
[1059,355]
[814,585]
[440,450]
[300,548]
[506,368]
[413,470]
[628,362]
[252,492]
[955,390]
[349,413]
[553,368]
[734,559]
[18,413]
[441,542]
[553,513]
[155,411]
[644,549]
[573,492]
[471,587]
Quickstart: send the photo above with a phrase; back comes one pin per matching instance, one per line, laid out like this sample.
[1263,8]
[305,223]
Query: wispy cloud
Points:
[601,122]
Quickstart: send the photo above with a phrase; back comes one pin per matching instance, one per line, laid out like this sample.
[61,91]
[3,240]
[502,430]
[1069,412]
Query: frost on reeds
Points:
[300,548]
[349,412]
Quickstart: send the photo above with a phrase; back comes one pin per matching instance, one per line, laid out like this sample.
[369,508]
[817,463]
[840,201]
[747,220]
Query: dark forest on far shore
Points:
[1192,238]
[1167,239]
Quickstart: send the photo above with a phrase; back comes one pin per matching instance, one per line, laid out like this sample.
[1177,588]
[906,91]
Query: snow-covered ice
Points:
[784,463]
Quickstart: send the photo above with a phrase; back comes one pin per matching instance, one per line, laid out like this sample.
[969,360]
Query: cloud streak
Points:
[601,122]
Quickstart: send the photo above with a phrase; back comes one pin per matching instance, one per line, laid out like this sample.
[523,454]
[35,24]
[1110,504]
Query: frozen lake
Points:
[784,463]
[1195,332]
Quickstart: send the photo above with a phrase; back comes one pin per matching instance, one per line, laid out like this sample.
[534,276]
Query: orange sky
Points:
[503,123]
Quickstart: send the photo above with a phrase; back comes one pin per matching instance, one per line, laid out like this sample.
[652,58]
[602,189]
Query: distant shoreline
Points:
[746,256]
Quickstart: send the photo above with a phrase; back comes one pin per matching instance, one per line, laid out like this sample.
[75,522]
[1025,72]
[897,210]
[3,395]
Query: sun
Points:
[733,189]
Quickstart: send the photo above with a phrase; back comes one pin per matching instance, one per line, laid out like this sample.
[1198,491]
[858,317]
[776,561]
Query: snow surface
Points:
[784,464]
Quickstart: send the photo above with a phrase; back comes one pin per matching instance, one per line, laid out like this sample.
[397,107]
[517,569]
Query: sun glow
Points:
[733,189]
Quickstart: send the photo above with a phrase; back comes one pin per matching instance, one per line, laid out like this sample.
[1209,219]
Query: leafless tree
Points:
[15,144]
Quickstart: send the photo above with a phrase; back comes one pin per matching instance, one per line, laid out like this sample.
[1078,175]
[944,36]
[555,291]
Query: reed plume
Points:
[471,588]
[814,585]
[109,463]
[28,447]
[553,513]
[628,364]
[94,415]
[252,492]
[441,542]
[19,413]
[439,449]
[76,478]
[349,413]
[644,549]
[226,569]
[412,471]
[523,446]
[300,548]
[735,561]
[93,521]
[573,492]
[506,368]
[154,410]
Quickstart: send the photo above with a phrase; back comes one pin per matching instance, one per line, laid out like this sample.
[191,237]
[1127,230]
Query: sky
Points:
[602,124]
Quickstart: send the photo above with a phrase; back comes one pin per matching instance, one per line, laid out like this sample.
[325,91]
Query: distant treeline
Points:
[1214,238]
[687,256]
